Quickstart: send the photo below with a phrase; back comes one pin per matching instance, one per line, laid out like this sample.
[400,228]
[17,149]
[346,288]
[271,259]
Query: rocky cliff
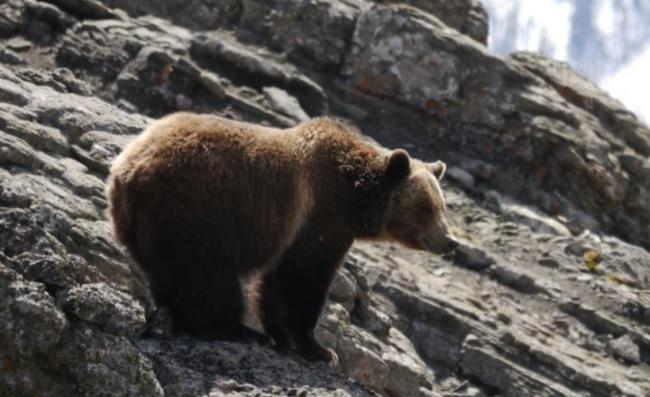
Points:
[548,186]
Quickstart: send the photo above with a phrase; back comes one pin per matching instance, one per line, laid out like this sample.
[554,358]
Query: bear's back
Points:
[240,187]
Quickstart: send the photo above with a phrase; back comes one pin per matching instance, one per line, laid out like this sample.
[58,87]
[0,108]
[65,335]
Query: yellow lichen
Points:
[592,259]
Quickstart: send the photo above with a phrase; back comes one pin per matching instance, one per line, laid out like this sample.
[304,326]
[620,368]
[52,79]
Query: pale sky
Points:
[545,26]
[630,84]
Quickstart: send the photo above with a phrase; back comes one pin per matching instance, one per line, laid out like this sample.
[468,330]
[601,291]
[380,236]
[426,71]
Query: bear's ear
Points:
[399,165]
[438,169]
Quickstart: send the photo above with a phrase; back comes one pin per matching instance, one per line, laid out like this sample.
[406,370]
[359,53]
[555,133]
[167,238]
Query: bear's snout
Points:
[444,245]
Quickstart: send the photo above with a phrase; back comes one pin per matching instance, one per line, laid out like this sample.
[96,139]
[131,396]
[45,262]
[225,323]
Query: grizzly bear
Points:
[201,202]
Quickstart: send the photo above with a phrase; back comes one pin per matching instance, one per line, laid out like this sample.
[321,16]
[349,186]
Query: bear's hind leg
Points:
[273,311]
[197,283]
[210,305]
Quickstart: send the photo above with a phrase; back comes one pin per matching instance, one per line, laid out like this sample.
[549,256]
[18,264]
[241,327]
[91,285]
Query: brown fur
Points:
[200,201]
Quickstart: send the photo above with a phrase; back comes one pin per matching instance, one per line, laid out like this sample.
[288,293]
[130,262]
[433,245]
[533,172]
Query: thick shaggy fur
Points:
[200,201]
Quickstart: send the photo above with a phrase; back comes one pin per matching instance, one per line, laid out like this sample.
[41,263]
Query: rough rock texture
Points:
[548,187]
[467,16]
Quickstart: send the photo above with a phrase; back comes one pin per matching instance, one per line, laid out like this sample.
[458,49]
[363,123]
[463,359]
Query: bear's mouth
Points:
[430,246]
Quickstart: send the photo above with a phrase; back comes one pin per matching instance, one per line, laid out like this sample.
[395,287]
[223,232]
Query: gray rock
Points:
[344,289]
[101,363]
[10,57]
[473,257]
[549,262]
[374,319]
[54,271]
[261,67]
[532,218]
[49,13]
[408,374]
[212,84]
[369,60]
[494,371]
[113,310]
[85,8]
[461,176]
[585,94]
[577,248]
[467,16]
[11,93]
[636,166]
[31,326]
[320,33]
[194,14]
[332,321]
[31,321]
[282,102]
[190,367]
[515,279]
[625,349]
[11,17]
[97,149]
[436,344]
[18,44]
[363,365]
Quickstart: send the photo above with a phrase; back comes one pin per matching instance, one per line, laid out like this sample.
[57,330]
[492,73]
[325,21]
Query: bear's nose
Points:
[452,244]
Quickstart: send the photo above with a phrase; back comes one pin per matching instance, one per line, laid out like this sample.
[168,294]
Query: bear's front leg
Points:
[305,305]
[303,283]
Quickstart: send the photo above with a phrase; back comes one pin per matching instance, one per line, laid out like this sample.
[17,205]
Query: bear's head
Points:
[417,215]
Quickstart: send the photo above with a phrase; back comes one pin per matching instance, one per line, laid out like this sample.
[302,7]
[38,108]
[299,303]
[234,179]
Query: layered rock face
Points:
[548,186]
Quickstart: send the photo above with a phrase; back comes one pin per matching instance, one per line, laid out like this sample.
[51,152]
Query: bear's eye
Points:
[427,209]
